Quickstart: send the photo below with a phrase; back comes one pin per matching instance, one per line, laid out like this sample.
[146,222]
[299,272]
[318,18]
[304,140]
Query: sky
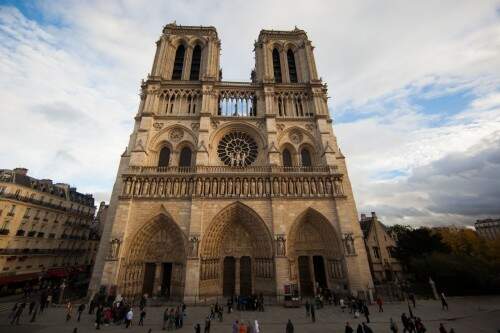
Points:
[414,91]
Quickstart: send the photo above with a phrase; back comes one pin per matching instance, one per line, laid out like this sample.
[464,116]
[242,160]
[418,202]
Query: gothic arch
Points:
[162,138]
[292,150]
[324,239]
[158,240]
[306,138]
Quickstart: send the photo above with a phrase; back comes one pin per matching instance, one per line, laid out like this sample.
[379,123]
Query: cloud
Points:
[70,74]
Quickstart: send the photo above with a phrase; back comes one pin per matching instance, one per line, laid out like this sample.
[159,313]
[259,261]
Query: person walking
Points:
[69,311]
[207,325]
[380,304]
[308,308]
[197,328]
[393,326]
[80,310]
[141,318]
[444,303]
[366,312]
[442,329]
[18,314]
[348,328]
[98,318]
[129,317]
[289,326]
[235,326]
[359,329]
[257,327]
[342,304]
[412,299]
[33,317]
[32,306]
[366,328]
[313,313]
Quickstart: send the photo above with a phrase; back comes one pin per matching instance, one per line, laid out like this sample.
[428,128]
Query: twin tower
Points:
[232,188]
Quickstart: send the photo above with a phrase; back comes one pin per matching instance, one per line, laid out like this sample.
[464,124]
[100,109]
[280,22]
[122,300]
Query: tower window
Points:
[291,66]
[195,64]
[305,157]
[178,63]
[185,160]
[164,159]
[287,158]
[277,66]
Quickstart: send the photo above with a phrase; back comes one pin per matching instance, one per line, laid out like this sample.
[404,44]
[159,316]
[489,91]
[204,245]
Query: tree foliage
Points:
[458,260]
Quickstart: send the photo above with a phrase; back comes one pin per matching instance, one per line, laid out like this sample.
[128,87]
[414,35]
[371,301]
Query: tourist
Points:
[359,329]
[98,317]
[442,329]
[348,328]
[142,303]
[406,323]
[313,314]
[444,303]
[380,304]
[165,319]
[419,326]
[197,328]
[308,307]
[129,317]
[235,326]
[69,310]
[342,304]
[33,318]
[393,326]
[289,326]
[412,299]
[257,328]
[13,311]
[207,325]
[366,312]
[141,318]
[32,306]
[81,308]
[18,313]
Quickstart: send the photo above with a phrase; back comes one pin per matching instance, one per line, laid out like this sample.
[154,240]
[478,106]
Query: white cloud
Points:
[69,84]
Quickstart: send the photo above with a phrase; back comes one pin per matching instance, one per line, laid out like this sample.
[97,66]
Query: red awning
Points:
[57,272]
[18,278]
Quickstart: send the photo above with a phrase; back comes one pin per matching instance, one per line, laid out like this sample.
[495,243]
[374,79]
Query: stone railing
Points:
[226,185]
[222,169]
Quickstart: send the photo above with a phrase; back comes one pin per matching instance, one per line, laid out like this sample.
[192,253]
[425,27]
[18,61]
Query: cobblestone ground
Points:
[471,314]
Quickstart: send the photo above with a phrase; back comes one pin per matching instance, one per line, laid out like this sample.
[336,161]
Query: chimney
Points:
[374,216]
[363,217]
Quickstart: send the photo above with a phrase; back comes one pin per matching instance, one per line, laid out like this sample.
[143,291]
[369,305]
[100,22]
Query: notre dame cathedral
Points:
[232,188]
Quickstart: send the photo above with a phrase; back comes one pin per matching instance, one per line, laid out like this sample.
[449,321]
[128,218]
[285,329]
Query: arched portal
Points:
[315,254]
[237,254]
[155,261]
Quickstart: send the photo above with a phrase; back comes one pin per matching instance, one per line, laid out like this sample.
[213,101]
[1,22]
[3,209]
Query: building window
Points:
[291,66]
[27,213]
[305,157]
[164,159]
[287,158]
[195,64]
[12,210]
[178,63]
[376,252]
[185,160]
[277,66]
[390,251]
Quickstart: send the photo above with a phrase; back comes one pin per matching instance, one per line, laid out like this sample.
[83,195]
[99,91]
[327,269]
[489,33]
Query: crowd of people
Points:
[115,310]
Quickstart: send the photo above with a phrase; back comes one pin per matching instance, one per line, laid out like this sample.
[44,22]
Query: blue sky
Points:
[414,90]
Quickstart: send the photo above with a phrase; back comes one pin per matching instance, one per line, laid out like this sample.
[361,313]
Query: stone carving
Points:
[214,123]
[157,126]
[261,124]
[114,249]
[237,149]
[348,240]
[195,126]
[296,137]
[293,270]
[194,243]
[280,127]
[280,245]
[310,127]
[176,134]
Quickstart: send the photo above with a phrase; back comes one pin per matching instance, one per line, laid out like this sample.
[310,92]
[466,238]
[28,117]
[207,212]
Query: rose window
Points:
[237,149]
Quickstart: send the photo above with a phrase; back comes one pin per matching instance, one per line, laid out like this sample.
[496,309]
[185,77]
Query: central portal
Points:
[237,255]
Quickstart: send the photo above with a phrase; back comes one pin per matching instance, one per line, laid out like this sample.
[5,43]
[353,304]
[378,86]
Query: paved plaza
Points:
[471,314]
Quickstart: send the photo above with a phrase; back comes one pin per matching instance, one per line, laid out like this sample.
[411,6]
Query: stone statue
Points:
[114,249]
[349,244]
[193,246]
[280,245]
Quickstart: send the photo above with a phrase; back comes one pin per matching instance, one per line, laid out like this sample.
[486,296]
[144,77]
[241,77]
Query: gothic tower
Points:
[232,188]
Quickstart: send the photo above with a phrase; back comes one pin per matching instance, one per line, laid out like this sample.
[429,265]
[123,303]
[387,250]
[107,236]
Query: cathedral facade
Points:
[232,188]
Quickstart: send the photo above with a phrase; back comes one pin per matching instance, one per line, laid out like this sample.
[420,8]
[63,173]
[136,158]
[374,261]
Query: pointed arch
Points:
[164,157]
[292,69]
[178,62]
[195,64]
[277,66]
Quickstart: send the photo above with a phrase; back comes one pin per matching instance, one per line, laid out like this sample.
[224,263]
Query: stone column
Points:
[191,287]
[311,272]
[188,57]
[285,74]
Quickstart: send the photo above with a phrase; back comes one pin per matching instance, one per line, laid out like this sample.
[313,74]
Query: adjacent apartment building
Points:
[379,247]
[488,229]
[47,231]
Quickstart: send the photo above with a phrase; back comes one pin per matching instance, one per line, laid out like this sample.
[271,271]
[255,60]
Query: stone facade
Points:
[232,187]
[47,230]
[380,245]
